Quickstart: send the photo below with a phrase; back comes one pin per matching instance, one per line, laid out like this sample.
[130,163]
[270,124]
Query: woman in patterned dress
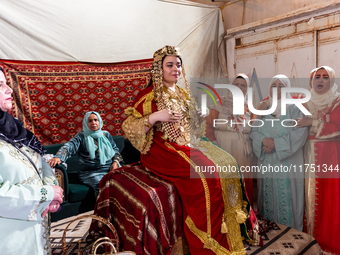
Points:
[278,146]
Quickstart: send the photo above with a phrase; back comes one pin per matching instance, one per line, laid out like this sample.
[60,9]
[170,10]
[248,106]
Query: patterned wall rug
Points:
[51,98]
[76,232]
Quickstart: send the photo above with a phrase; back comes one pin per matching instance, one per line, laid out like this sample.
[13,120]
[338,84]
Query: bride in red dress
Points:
[165,127]
[322,157]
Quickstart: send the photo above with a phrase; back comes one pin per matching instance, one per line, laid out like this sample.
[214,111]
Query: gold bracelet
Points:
[147,123]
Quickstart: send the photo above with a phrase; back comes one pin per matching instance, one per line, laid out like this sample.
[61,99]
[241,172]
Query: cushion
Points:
[119,140]
[77,192]
[73,163]
[53,148]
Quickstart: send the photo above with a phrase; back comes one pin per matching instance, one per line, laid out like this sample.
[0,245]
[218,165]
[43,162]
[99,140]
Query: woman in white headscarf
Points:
[311,75]
[278,146]
[232,137]
[322,157]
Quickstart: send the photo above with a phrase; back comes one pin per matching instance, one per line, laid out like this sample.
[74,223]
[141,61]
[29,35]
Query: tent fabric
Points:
[107,31]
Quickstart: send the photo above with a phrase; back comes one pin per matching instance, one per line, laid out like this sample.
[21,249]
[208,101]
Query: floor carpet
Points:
[281,240]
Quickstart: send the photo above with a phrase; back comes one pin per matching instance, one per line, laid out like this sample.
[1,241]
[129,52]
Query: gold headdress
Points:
[157,68]
[177,101]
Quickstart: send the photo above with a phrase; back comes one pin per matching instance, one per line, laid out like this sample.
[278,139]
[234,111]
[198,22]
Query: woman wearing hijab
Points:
[311,75]
[233,138]
[322,153]
[97,151]
[278,146]
[28,187]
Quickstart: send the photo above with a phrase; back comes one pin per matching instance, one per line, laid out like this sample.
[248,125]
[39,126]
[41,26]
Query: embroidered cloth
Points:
[144,208]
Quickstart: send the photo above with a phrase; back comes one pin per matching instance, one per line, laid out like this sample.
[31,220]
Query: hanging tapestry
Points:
[51,98]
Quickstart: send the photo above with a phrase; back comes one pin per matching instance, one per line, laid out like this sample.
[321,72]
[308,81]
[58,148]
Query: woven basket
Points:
[101,241]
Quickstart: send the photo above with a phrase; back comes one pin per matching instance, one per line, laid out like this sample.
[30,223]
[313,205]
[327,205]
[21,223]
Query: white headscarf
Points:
[285,81]
[314,70]
[311,75]
[227,102]
[245,77]
[326,99]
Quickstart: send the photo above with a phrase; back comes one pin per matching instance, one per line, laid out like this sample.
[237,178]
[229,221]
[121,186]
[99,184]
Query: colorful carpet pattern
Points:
[51,98]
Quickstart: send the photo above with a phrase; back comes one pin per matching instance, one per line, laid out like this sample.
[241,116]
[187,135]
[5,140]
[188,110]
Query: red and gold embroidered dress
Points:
[214,208]
[323,194]
[234,139]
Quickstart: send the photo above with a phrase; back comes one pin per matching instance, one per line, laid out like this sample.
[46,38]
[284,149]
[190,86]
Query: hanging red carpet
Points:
[51,98]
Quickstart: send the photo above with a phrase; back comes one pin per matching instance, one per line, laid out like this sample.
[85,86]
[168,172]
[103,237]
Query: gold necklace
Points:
[179,101]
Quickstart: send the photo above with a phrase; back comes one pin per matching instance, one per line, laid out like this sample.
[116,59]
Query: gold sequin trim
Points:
[232,193]
[148,141]
[214,245]
[130,111]
[135,132]
[141,99]
[205,185]
[147,105]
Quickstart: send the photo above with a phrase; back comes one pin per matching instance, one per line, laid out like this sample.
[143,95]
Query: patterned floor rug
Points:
[78,230]
[281,240]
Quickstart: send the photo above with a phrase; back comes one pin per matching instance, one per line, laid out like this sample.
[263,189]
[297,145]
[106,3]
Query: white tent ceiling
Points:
[111,31]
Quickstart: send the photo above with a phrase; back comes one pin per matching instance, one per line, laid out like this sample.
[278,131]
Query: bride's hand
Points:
[164,116]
